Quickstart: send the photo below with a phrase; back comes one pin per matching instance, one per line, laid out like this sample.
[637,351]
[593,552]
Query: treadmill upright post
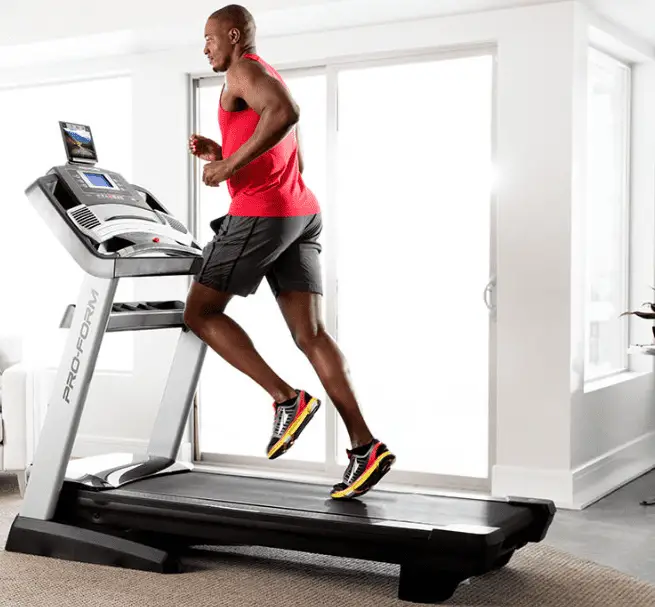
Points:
[68,397]
[178,395]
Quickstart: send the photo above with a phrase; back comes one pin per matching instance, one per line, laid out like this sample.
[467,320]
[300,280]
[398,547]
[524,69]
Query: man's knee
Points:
[202,305]
[197,317]
[309,337]
[192,317]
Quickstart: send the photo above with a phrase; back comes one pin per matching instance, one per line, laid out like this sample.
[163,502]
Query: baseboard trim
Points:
[600,477]
[537,483]
[577,489]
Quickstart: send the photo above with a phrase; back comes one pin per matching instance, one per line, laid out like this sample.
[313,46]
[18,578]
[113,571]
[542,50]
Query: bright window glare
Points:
[39,275]
[414,258]
[607,216]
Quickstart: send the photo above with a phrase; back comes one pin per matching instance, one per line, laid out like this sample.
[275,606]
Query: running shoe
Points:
[290,420]
[364,471]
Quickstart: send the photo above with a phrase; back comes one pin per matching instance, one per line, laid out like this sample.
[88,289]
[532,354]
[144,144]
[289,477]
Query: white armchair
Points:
[16,414]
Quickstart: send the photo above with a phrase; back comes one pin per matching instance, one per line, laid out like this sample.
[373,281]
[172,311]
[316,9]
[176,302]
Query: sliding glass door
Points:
[414,256]
[400,155]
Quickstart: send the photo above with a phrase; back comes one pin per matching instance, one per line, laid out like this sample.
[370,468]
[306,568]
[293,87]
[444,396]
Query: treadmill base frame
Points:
[57,540]
[151,532]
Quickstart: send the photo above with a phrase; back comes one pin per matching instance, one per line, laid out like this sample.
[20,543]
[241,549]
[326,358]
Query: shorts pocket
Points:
[219,224]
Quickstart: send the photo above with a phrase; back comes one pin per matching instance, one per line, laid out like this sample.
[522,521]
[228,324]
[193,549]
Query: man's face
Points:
[217,45]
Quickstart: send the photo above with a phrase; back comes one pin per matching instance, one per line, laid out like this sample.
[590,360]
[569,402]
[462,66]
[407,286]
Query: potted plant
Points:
[641,314]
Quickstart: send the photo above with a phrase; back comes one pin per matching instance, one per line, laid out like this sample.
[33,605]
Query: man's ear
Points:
[235,35]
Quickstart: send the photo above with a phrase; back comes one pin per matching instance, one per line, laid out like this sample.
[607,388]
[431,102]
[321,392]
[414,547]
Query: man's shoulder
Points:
[244,72]
[247,65]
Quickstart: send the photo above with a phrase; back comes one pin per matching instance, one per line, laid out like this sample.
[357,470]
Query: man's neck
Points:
[248,50]
[239,53]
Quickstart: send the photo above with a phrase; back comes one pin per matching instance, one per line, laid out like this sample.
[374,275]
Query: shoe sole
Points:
[295,430]
[367,481]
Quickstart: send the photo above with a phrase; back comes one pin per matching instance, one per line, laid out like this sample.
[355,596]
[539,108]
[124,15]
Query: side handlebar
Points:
[146,247]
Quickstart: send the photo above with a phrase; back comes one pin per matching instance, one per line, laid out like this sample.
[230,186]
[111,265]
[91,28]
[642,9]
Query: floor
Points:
[617,531]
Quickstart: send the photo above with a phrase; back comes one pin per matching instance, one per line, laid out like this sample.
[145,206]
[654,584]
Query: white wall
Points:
[25,22]
[544,421]
[143,21]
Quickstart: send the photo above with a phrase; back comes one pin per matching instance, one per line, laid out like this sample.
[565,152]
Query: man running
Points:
[271,230]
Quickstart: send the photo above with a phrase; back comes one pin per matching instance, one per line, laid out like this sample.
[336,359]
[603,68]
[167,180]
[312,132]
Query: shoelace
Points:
[279,421]
[352,466]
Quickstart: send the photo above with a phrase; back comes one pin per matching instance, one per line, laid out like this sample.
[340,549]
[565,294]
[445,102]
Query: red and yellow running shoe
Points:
[364,471]
[290,420]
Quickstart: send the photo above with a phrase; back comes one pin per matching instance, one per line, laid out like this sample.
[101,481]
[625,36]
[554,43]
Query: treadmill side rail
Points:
[118,469]
[543,512]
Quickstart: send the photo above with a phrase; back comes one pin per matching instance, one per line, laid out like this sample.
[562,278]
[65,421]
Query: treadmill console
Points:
[96,186]
[111,227]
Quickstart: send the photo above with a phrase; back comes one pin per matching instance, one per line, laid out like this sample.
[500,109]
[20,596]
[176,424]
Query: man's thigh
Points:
[298,268]
[244,250]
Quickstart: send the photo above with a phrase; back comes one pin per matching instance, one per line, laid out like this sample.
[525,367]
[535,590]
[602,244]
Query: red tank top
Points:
[271,185]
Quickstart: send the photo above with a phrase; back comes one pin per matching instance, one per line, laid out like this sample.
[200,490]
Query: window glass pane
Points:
[43,277]
[414,258]
[225,392]
[607,216]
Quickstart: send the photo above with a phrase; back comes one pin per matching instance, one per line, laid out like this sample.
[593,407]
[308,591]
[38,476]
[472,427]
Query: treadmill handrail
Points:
[144,247]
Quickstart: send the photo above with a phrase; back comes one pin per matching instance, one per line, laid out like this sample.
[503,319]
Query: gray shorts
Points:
[244,250]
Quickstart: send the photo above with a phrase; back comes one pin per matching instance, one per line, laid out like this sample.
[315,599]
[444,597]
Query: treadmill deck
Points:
[298,500]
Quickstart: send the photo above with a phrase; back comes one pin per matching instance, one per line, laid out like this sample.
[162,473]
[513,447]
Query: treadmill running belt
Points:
[423,510]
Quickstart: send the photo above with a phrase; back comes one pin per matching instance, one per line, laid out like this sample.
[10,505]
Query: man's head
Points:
[228,33]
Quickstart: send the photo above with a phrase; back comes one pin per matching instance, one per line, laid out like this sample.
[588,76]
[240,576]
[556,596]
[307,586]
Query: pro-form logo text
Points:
[84,333]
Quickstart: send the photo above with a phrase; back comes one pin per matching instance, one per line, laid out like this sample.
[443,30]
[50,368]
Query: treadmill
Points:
[146,512]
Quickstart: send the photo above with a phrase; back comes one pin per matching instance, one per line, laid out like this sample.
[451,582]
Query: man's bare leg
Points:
[205,316]
[302,313]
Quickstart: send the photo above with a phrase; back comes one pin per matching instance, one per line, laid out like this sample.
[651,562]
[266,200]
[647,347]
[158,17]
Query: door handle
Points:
[488,294]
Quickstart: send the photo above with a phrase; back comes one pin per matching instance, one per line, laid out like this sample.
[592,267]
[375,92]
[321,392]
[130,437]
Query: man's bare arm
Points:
[271,100]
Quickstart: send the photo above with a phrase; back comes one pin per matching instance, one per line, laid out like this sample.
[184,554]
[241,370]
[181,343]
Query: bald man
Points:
[271,230]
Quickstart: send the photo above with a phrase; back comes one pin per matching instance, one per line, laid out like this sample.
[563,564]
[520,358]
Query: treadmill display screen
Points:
[79,143]
[98,179]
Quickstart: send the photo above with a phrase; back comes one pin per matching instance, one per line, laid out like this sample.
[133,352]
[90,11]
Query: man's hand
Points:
[205,148]
[216,172]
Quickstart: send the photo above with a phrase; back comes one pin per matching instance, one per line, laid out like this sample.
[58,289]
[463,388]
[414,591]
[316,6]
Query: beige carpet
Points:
[538,576]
